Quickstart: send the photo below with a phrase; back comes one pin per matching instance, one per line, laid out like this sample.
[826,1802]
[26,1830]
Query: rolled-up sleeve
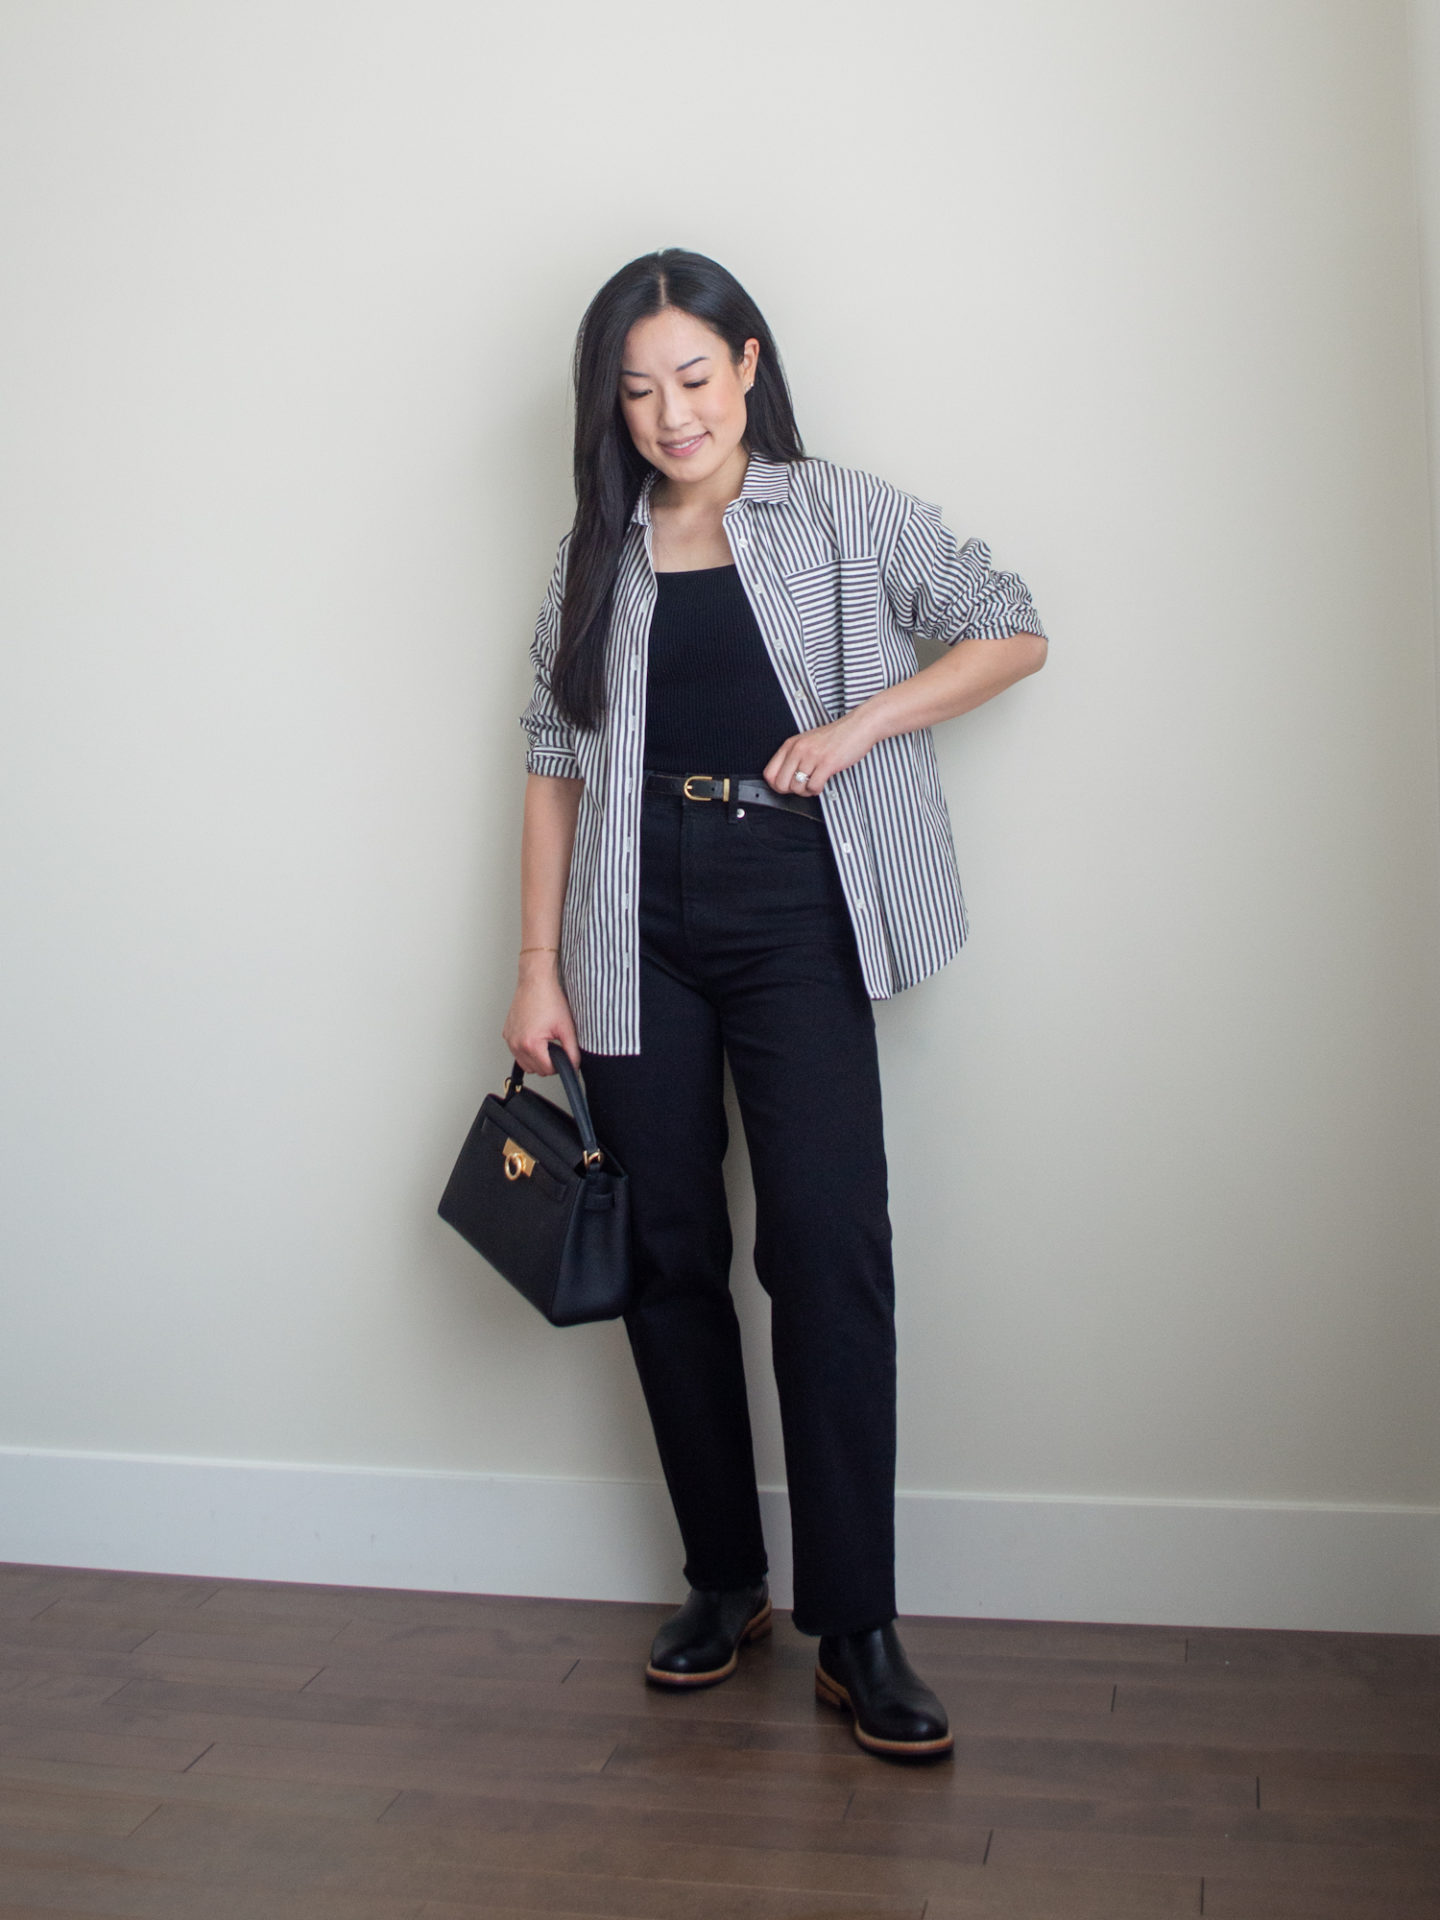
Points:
[942,590]
[551,738]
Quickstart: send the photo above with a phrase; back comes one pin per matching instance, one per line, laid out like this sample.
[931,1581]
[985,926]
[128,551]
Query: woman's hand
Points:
[820,752]
[539,1013]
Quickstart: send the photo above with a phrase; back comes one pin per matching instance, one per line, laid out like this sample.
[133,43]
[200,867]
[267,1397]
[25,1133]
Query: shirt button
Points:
[624,899]
[845,846]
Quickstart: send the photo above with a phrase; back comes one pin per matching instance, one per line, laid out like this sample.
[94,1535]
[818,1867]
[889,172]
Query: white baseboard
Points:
[1369,1569]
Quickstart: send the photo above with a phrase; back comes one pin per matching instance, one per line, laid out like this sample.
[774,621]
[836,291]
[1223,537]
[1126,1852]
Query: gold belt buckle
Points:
[724,793]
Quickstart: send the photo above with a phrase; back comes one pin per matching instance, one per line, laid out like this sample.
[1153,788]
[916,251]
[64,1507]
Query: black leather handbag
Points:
[536,1194]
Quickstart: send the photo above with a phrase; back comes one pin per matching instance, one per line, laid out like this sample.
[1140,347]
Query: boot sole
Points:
[755,1629]
[834,1695]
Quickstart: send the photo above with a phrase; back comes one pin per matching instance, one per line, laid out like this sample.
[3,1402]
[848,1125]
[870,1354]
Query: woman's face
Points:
[682,395]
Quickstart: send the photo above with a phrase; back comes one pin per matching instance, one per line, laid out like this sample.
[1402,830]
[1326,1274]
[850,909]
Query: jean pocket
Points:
[786,832]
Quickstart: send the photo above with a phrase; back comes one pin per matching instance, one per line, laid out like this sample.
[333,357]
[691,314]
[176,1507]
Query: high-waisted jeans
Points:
[746,951]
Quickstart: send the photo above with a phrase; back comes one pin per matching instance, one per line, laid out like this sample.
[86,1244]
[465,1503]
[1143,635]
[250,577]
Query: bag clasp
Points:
[517,1160]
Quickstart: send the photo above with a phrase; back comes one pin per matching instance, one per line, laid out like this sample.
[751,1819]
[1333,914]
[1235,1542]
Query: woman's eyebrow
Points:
[631,374]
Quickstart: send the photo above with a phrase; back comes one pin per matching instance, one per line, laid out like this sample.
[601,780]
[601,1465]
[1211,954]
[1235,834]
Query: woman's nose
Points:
[674,410]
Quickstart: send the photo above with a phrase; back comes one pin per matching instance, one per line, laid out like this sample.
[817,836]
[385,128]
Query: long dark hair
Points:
[610,469]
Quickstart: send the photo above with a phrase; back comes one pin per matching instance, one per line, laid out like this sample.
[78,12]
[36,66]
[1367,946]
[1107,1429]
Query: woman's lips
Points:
[680,449]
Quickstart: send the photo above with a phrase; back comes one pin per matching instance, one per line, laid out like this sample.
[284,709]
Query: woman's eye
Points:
[635,396]
[699,383]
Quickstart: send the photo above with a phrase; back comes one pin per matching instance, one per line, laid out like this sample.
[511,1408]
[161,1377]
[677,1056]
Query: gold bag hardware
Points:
[517,1160]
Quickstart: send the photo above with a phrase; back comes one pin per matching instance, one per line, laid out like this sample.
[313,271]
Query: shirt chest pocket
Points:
[838,604]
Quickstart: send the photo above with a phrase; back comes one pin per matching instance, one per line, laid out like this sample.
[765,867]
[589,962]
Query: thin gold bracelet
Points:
[539,949]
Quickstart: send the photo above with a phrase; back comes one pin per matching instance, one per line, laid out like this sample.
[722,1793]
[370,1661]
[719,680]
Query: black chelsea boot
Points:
[701,1643]
[892,1711]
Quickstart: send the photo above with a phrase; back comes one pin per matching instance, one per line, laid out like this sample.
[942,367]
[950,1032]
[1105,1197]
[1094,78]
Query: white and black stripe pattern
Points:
[841,569]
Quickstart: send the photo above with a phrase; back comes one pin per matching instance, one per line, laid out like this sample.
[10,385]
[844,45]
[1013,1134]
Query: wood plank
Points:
[37,1691]
[388,1771]
[1230,1898]
[1054,1773]
[1205,1854]
[192,1625]
[594,1793]
[1179,1819]
[1341,1763]
[395,1643]
[583,1897]
[1017,1893]
[420,1681]
[19,1664]
[52,1809]
[22,1598]
[560,1895]
[35,1635]
[270,1649]
[1146,1711]
[312,1751]
[8,1911]
[78,1897]
[1369,1654]
[1417,1795]
[1279,1683]
[216,1789]
[56,1741]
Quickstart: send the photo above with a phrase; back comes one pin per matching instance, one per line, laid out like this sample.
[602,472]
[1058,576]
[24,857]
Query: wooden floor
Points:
[222,1750]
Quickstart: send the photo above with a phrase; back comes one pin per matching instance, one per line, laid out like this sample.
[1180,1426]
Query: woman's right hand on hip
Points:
[539,1013]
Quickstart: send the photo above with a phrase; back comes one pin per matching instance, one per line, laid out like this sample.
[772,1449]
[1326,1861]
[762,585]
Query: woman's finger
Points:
[527,1054]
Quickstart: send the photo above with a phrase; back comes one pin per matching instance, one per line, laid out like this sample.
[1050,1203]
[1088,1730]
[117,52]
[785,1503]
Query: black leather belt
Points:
[714,786]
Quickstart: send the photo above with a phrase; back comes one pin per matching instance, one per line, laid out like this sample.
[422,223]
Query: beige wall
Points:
[1132,291]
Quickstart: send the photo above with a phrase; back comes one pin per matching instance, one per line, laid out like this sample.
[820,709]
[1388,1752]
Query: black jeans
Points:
[746,947]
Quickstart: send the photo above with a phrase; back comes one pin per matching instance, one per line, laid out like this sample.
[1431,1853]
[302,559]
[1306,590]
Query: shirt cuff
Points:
[1005,627]
[557,762]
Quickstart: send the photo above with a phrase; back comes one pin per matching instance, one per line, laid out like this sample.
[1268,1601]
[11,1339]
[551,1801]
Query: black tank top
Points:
[712,701]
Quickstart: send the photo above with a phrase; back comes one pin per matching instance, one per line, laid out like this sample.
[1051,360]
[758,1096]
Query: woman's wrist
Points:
[538,962]
[868,721]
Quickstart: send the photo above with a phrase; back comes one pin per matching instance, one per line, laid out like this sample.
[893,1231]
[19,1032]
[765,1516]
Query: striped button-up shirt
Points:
[842,571]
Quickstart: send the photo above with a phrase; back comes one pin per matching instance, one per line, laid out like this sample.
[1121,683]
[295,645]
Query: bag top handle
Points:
[574,1093]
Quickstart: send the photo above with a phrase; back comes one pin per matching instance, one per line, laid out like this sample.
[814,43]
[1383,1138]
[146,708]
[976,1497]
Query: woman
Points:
[734,841]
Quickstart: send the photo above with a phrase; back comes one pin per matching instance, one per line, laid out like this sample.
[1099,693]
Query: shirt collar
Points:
[764,480]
